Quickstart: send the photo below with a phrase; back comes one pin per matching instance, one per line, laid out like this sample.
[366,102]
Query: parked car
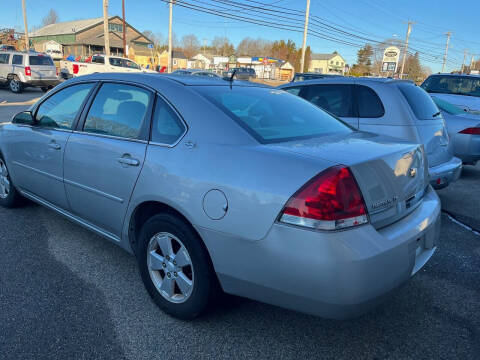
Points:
[19,70]
[241,73]
[461,90]
[463,129]
[234,184]
[391,107]
[99,63]
[4,47]
[311,76]
[195,72]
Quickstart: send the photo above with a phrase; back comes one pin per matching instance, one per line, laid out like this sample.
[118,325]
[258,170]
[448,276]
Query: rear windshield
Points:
[457,85]
[448,107]
[272,115]
[421,103]
[40,60]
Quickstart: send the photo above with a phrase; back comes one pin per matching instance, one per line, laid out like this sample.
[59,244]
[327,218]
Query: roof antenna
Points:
[231,77]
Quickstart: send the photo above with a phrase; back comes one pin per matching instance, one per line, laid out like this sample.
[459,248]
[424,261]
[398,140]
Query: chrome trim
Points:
[94,191]
[324,224]
[70,216]
[110,136]
[58,178]
[43,128]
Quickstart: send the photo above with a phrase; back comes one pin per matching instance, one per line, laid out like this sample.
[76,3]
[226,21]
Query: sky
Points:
[371,19]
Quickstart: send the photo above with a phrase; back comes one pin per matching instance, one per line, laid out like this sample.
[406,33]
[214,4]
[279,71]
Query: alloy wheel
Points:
[14,85]
[170,267]
[4,181]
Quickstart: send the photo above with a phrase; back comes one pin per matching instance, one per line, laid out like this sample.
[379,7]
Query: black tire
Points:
[13,198]
[204,279]
[15,85]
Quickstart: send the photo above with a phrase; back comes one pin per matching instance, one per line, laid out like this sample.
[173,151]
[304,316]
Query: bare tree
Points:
[51,18]
[190,45]
[222,46]
[254,47]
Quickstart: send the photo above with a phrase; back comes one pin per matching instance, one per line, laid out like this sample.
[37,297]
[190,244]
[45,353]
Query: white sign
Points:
[390,58]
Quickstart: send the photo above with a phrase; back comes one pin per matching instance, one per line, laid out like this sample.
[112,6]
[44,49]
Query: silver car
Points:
[389,107]
[463,129]
[239,187]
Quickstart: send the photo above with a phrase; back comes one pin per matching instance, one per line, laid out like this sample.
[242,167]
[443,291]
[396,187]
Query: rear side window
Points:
[40,60]
[98,59]
[369,104]
[421,103]
[167,127]
[118,110]
[17,60]
[59,110]
[4,58]
[336,99]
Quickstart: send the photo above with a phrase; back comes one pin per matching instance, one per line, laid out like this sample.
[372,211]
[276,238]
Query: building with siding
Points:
[327,64]
[86,37]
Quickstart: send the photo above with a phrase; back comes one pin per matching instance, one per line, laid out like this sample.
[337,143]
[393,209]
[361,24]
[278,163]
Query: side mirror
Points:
[24,117]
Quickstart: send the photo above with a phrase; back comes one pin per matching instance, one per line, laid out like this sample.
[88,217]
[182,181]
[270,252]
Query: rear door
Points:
[42,67]
[429,122]
[337,99]
[104,156]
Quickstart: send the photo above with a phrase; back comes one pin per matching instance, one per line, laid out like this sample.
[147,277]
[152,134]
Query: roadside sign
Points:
[150,46]
[390,58]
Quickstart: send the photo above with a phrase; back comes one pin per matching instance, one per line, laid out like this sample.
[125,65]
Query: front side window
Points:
[369,104]
[40,60]
[272,115]
[118,110]
[421,103]
[167,128]
[4,58]
[60,110]
[335,98]
[17,60]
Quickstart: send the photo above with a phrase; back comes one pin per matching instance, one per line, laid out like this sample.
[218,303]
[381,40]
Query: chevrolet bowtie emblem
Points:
[412,172]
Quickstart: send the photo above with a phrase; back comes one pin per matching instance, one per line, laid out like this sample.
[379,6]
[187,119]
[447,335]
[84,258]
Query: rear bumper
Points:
[42,82]
[329,274]
[467,148]
[444,174]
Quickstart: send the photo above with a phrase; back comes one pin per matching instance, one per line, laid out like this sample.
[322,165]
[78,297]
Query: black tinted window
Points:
[4,58]
[17,60]
[336,99]
[421,103]
[118,110]
[98,60]
[369,104]
[40,60]
[59,110]
[294,90]
[167,127]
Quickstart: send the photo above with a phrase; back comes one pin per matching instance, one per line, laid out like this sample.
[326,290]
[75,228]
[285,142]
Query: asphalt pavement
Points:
[11,103]
[66,293]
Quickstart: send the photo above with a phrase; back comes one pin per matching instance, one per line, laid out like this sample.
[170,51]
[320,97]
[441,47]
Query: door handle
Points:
[54,146]
[128,161]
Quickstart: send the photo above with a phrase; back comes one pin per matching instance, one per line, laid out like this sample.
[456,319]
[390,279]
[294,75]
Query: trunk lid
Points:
[392,175]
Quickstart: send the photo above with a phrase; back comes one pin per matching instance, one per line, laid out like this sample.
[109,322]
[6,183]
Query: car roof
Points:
[346,80]
[457,75]
[151,79]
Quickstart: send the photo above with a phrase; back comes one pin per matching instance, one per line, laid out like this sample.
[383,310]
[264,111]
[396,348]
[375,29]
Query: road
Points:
[11,103]
[67,293]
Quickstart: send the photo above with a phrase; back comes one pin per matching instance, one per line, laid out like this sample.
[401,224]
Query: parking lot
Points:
[67,293]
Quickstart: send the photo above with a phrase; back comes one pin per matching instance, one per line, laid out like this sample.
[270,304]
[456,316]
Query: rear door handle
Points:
[128,161]
[54,146]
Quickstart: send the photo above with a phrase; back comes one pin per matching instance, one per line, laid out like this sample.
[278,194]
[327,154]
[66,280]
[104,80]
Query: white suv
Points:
[24,69]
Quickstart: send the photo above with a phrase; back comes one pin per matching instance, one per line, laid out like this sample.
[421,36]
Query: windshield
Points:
[421,103]
[448,107]
[448,84]
[272,115]
[40,60]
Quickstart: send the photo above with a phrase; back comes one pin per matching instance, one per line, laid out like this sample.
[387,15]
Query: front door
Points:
[35,152]
[103,159]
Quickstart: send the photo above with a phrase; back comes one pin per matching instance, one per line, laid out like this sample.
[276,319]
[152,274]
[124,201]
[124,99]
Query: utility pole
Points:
[464,58]
[124,31]
[472,62]
[105,27]
[170,4]
[27,42]
[446,50]
[405,49]
[305,29]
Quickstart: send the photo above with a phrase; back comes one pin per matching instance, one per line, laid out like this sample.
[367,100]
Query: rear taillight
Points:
[330,201]
[28,71]
[56,71]
[471,131]
[75,68]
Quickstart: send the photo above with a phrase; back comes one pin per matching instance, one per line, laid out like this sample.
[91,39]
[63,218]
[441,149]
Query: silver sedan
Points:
[464,130]
[227,186]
